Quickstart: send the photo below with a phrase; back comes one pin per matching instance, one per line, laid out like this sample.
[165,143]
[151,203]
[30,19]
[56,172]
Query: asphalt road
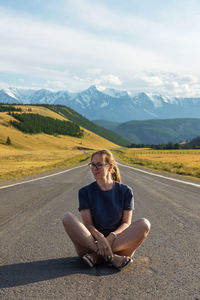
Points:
[38,260]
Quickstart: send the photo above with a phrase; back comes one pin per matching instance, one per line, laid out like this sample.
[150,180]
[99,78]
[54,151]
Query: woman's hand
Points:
[104,248]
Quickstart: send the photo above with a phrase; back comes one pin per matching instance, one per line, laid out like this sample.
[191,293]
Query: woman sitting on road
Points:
[106,208]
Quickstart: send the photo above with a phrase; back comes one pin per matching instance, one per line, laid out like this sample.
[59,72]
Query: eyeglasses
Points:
[97,166]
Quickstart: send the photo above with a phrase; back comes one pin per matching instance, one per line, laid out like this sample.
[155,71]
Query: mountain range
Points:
[109,104]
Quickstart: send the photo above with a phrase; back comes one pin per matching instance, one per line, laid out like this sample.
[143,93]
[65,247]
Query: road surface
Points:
[38,260]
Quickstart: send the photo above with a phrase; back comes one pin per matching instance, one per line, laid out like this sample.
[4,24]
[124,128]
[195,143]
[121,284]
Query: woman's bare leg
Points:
[131,238]
[79,234]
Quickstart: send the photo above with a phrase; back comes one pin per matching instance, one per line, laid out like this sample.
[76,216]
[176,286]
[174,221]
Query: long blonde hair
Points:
[109,159]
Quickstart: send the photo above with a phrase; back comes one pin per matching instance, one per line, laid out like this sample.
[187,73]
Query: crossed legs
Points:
[131,238]
[124,245]
[79,234]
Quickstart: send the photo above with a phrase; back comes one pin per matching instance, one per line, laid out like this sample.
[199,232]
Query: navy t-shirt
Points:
[106,206]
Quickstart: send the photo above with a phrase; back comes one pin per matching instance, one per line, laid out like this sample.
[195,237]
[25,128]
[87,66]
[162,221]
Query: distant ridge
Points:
[193,143]
[110,104]
[156,131]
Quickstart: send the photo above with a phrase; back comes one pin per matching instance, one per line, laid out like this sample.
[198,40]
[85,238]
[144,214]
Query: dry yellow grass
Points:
[185,162]
[32,162]
[189,158]
[31,154]
[44,111]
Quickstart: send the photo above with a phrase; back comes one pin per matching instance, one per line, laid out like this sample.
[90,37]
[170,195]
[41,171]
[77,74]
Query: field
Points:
[31,154]
[184,162]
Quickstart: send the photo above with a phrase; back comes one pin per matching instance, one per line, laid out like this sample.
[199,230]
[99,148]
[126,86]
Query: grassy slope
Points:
[82,121]
[31,154]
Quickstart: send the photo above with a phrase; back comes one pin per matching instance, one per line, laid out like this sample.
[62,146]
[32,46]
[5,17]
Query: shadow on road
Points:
[25,273]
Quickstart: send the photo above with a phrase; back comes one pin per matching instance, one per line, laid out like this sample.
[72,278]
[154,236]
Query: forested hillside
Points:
[72,115]
[35,123]
[8,108]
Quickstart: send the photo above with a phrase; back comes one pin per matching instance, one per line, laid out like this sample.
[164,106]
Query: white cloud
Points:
[153,79]
[50,51]
[172,84]
[172,35]
[4,85]
[55,84]
[104,45]
[101,81]
[108,80]
[93,71]
[175,84]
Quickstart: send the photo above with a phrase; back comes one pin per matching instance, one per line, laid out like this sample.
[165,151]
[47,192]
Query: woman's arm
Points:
[103,246]
[87,221]
[126,222]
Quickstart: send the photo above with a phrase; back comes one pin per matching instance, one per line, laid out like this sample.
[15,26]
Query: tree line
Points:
[35,123]
[9,108]
[168,146]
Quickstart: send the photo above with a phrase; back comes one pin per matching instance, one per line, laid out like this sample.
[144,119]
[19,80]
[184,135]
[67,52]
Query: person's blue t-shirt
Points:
[106,206]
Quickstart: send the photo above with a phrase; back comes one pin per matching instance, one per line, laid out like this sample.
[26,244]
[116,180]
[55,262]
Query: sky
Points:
[133,45]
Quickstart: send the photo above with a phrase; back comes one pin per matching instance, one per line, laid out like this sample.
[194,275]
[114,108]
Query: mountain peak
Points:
[109,104]
[11,92]
[115,93]
[92,88]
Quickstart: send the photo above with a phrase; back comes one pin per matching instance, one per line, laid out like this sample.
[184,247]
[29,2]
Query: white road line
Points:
[139,170]
[40,178]
[173,179]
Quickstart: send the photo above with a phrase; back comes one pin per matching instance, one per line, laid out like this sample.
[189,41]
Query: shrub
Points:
[8,141]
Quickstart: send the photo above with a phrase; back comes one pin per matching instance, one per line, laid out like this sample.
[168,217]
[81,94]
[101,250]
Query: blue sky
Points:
[139,45]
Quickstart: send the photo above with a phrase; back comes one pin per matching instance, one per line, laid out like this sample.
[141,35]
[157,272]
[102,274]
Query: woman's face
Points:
[100,168]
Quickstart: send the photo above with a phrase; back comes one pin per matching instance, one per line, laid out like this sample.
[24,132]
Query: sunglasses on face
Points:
[97,166]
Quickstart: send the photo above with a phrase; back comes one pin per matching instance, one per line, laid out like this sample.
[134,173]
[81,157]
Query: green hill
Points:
[78,119]
[195,143]
[156,131]
[35,123]
[106,124]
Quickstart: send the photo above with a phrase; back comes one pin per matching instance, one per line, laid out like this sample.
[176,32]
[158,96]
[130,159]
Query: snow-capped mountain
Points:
[109,104]
[115,93]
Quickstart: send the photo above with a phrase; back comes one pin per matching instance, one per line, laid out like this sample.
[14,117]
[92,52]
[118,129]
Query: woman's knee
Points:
[67,218]
[144,225]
